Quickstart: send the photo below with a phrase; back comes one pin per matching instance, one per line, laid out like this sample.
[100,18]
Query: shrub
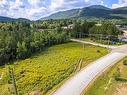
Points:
[121,79]
[125,62]
[98,51]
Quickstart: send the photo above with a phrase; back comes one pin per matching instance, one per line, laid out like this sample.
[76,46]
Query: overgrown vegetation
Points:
[47,69]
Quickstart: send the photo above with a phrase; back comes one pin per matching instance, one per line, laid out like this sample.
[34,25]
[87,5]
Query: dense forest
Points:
[19,40]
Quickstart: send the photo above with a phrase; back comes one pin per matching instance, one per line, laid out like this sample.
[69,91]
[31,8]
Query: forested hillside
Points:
[91,12]
[7,19]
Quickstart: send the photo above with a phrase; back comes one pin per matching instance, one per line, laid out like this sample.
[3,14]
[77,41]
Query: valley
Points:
[63,47]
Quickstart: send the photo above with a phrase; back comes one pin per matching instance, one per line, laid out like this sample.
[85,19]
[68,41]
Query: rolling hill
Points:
[4,19]
[7,19]
[95,11]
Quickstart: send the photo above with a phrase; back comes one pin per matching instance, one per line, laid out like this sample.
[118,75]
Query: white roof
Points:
[125,31]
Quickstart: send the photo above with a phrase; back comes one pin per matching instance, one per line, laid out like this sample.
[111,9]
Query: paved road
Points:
[95,44]
[76,84]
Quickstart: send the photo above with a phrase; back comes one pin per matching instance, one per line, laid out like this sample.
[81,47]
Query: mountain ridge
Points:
[94,11]
[8,19]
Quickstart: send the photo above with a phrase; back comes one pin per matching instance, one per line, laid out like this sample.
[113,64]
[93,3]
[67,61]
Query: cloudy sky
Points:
[35,9]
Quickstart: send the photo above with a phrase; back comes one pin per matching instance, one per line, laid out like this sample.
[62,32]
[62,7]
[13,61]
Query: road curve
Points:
[76,84]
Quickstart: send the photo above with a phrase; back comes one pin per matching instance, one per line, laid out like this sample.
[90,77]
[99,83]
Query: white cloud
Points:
[35,12]
[17,4]
[34,9]
[35,3]
[57,5]
[19,8]
[3,2]
[69,4]
[121,3]
[86,0]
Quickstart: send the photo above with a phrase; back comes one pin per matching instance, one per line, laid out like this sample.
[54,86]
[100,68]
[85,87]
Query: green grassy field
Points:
[49,68]
[111,82]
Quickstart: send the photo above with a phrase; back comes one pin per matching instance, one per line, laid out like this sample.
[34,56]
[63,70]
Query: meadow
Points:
[45,70]
[112,82]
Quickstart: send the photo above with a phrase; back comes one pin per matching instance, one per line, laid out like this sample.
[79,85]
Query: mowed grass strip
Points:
[112,82]
[48,68]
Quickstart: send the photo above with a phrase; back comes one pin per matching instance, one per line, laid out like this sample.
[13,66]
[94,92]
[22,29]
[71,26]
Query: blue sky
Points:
[35,9]
[110,2]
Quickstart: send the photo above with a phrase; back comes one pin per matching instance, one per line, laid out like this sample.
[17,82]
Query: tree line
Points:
[105,30]
[21,40]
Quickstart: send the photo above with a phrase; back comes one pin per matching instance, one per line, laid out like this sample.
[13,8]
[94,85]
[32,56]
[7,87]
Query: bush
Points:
[98,51]
[121,79]
[125,62]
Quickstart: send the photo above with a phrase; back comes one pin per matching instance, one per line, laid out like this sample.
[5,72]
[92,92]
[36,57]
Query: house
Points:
[65,27]
[69,26]
[121,27]
[125,34]
[98,24]
[124,29]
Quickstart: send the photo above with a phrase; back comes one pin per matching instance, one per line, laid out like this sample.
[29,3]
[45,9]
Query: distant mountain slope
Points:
[95,11]
[23,20]
[64,14]
[98,7]
[7,19]
[121,12]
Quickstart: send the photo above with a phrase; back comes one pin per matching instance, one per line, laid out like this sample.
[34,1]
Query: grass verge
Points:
[108,83]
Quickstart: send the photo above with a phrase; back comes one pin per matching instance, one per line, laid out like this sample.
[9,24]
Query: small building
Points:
[65,27]
[125,34]
[68,27]
[121,27]
[124,29]
[98,24]
[71,26]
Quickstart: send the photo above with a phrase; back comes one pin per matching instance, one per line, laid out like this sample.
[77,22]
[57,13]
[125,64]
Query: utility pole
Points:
[101,36]
[109,40]
[83,46]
